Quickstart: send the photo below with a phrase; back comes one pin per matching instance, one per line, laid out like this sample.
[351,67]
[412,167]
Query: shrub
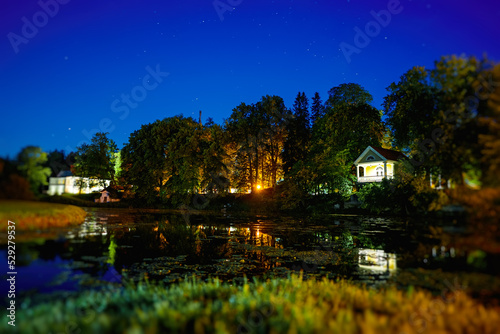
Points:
[15,187]
[401,196]
[484,204]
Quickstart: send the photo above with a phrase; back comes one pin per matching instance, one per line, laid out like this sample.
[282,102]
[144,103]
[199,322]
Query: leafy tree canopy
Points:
[97,160]
[31,162]
[349,93]
[411,107]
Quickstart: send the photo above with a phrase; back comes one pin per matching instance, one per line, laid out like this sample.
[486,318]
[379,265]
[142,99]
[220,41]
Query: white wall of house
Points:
[375,171]
[70,185]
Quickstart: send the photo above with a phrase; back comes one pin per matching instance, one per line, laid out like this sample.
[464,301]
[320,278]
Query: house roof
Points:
[64,173]
[113,191]
[389,154]
[383,153]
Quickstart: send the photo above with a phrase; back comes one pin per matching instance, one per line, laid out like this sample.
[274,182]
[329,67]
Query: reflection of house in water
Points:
[263,239]
[254,235]
[376,259]
[90,228]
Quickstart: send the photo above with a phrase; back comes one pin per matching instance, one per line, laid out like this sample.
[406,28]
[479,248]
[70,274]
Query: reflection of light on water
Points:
[89,228]
[376,259]
[112,251]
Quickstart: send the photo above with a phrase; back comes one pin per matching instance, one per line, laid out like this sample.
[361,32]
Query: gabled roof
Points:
[389,154]
[64,173]
[113,191]
[383,153]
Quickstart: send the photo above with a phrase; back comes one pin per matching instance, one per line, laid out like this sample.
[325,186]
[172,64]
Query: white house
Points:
[66,183]
[376,163]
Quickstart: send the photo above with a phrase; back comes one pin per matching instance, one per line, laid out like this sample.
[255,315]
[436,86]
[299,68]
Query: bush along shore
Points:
[265,202]
[281,305]
[30,215]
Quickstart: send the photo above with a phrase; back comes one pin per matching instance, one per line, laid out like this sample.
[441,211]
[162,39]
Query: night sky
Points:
[115,65]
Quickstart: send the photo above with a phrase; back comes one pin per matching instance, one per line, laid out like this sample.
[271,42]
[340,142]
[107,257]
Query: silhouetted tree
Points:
[296,145]
[317,108]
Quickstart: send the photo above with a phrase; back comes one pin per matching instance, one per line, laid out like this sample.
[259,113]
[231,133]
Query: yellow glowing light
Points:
[259,186]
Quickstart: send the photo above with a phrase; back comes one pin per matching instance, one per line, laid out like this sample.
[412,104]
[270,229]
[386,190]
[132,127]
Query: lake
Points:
[115,246]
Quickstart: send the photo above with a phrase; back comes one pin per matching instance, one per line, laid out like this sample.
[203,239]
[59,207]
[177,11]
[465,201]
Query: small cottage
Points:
[376,163]
[109,194]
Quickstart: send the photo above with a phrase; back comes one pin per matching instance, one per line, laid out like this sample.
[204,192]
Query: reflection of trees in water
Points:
[212,247]
[174,237]
[298,239]
[264,244]
[152,239]
[28,252]
[171,236]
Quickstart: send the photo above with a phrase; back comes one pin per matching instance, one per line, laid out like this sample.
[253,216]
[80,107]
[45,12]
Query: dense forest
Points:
[445,119]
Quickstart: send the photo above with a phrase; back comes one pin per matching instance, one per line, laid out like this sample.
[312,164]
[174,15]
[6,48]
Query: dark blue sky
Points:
[67,73]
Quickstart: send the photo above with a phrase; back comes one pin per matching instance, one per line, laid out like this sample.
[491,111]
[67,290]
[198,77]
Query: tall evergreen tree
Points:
[296,146]
[317,108]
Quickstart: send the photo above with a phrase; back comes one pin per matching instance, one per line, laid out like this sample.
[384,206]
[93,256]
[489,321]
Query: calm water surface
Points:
[116,246]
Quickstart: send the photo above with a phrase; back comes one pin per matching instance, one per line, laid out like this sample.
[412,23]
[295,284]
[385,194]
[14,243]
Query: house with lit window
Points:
[66,183]
[376,164]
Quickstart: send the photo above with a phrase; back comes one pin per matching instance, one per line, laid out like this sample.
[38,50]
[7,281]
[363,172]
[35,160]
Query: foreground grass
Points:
[275,306]
[38,215]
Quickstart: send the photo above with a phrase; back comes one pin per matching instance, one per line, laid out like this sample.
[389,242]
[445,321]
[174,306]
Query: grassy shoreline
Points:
[281,305]
[31,215]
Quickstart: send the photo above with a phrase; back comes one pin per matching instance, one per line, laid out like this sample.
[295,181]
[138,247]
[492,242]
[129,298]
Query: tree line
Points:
[445,119]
